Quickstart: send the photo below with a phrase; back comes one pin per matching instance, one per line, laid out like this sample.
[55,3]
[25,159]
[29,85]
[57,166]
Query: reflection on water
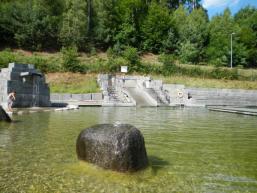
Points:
[190,150]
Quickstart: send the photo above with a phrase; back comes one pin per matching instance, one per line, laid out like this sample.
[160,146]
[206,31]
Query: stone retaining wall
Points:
[29,84]
[234,97]
[64,97]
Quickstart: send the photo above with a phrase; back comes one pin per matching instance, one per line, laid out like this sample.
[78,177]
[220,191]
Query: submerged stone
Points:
[116,147]
[4,116]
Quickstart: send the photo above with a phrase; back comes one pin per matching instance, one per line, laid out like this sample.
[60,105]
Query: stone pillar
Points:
[28,83]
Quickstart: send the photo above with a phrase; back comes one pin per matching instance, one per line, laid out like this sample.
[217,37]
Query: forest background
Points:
[179,32]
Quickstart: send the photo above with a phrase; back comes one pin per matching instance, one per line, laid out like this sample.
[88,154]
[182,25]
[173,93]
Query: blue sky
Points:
[215,7]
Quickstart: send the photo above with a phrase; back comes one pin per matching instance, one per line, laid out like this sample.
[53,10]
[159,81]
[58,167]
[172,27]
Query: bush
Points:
[117,49]
[97,66]
[70,60]
[131,55]
[148,68]
[219,73]
[168,62]
[169,67]
[194,72]
[114,64]
[188,52]
[6,57]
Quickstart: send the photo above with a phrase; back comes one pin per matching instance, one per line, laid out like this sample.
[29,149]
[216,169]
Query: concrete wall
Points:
[64,97]
[28,83]
[235,97]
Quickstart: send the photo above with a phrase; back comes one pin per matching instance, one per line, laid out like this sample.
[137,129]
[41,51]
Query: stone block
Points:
[97,96]
[87,96]
[20,66]
[66,97]
[28,88]
[77,97]
[55,97]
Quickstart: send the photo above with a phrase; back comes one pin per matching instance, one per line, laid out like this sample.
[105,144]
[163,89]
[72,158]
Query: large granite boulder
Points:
[4,116]
[118,147]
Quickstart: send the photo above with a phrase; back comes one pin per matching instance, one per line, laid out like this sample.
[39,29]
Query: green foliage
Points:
[170,68]
[177,27]
[193,34]
[188,52]
[158,34]
[221,27]
[70,60]
[246,18]
[74,26]
[114,64]
[78,83]
[6,57]
[131,13]
[107,20]
[29,24]
[131,55]
[168,62]
[43,64]
[219,73]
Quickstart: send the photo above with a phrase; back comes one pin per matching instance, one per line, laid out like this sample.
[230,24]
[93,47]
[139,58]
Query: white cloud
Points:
[219,3]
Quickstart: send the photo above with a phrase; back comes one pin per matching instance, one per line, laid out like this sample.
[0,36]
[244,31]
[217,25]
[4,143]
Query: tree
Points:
[74,25]
[158,34]
[107,20]
[220,28]
[131,14]
[30,23]
[193,34]
[70,59]
[246,18]
[174,4]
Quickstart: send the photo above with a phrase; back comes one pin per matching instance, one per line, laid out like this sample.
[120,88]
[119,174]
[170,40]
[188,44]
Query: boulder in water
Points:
[118,147]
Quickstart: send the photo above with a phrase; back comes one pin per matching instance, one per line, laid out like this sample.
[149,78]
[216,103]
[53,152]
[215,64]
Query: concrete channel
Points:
[237,110]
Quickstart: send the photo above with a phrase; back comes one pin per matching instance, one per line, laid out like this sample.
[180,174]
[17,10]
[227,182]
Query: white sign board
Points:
[124,69]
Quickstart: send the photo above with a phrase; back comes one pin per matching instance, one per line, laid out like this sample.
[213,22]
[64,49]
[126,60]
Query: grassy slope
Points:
[86,83]
[72,83]
[208,83]
[78,83]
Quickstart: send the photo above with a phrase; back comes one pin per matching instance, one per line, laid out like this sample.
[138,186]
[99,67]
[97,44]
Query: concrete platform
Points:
[85,103]
[237,110]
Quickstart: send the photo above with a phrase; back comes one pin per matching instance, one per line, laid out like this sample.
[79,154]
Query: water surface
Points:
[190,150]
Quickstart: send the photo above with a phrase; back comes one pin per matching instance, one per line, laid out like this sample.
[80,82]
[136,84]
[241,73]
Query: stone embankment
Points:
[144,91]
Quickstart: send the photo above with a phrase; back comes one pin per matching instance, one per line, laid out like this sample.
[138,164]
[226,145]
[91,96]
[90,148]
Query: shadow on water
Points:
[157,163]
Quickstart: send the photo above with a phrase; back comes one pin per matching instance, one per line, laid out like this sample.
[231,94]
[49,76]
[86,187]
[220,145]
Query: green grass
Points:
[250,74]
[207,83]
[72,83]
[189,75]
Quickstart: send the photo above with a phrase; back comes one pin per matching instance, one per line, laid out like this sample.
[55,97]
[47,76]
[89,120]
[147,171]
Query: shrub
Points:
[219,73]
[98,66]
[131,55]
[6,57]
[148,68]
[169,66]
[188,52]
[70,60]
[114,64]
[196,72]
